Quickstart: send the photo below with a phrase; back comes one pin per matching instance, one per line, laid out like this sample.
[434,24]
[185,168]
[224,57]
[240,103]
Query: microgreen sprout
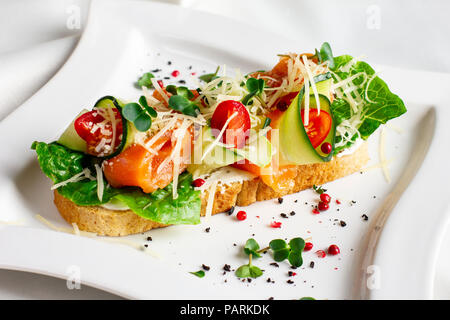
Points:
[146,80]
[319,189]
[199,273]
[281,250]
[181,100]
[140,114]
[209,76]
[255,88]
[325,55]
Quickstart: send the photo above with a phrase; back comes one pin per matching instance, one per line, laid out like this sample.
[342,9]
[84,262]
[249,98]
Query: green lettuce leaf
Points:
[380,104]
[60,164]
[161,207]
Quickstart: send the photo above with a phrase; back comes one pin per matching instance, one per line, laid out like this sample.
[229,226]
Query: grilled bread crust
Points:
[121,223]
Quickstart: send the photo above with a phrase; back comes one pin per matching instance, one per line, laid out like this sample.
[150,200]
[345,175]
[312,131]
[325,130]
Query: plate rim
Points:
[97,5]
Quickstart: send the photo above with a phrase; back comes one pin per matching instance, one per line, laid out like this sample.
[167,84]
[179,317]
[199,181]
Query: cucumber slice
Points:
[70,137]
[128,130]
[259,152]
[295,146]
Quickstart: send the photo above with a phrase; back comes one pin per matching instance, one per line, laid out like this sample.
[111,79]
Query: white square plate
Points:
[124,39]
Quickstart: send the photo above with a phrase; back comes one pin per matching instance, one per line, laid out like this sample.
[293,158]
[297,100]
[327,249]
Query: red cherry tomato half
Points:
[98,133]
[318,127]
[237,131]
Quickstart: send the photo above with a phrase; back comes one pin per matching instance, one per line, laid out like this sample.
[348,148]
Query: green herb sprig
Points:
[146,80]
[140,114]
[181,101]
[249,270]
[199,273]
[292,251]
[209,76]
[319,189]
[325,54]
[281,251]
[255,88]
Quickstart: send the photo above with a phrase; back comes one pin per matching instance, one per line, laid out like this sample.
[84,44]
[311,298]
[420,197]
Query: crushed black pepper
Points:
[292,213]
[343,223]
[169,63]
[182,81]
[284,215]
[205,267]
[208,229]
[156,70]
[311,264]
[280,200]
[290,281]
[275,264]
[230,211]
[227,267]
[149,239]
[365,217]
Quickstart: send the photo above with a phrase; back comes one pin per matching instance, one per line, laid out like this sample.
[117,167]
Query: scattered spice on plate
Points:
[343,223]
[365,217]
[290,281]
[333,250]
[205,267]
[230,211]
[321,253]
[227,267]
[280,200]
[292,213]
[284,215]
[311,264]
[275,224]
[208,229]
[275,264]
[308,246]
[149,239]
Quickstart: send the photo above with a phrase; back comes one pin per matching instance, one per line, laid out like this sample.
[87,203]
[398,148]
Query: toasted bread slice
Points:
[121,223]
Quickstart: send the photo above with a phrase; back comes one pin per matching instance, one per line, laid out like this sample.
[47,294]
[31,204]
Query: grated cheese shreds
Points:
[306,120]
[52,226]
[378,165]
[383,160]
[94,235]
[313,84]
[78,177]
[76,230]
[210,205]
[159,89]
[113,120]
[100,184]
[216,141]
[176,155]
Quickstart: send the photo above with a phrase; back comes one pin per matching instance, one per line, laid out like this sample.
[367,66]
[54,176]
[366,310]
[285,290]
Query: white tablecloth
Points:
[36,38]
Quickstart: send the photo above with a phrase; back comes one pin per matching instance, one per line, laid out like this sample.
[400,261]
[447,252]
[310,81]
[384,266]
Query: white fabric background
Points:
[35,41]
